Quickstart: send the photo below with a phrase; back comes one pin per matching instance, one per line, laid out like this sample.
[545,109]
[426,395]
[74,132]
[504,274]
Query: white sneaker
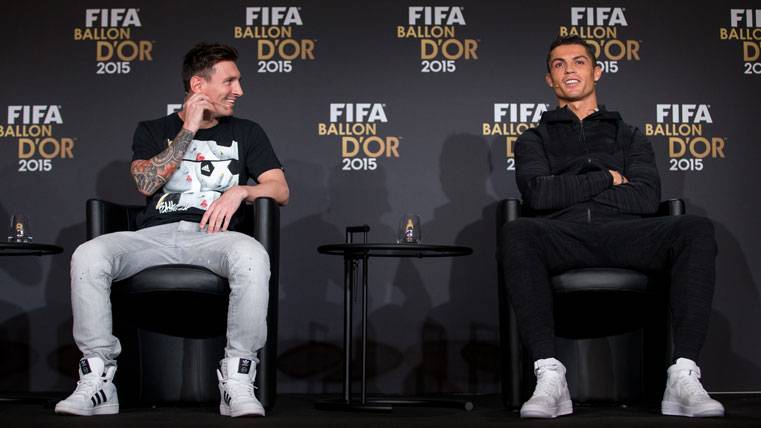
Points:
[551,397]
[684,394]
[95,393]
[236,388]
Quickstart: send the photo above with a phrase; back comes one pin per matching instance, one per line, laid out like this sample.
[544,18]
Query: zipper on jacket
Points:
[589,215]
[582,140]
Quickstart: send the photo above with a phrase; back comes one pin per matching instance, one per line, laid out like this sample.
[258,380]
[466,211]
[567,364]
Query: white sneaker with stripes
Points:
[95,393]
[236,388]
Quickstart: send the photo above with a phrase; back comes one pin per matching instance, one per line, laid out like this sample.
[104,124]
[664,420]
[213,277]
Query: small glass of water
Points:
[19,230]
[409,229]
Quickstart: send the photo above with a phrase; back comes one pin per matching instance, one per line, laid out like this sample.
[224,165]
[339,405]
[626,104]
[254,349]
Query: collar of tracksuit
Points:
[564,114]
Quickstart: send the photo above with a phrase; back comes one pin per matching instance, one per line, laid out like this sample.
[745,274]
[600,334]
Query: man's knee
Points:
[696,230]
[93,253]
[520,235]
[245,252]
[91,265]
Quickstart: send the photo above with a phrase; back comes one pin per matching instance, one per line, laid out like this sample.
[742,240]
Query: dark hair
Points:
[572,40]
[200,60]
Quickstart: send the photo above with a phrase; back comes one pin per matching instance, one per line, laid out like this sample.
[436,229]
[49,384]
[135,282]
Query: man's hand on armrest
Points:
[217,217]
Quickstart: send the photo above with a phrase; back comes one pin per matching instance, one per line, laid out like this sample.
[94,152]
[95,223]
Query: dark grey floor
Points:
[292,410]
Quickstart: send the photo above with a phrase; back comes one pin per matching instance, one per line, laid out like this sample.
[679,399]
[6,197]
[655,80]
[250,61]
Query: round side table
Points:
[353,253]
[28,249]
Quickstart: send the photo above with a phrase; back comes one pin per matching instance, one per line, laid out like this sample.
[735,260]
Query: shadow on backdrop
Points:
[361,197]
[24,272]
[310,286]
[113,183]
[463,330]
[734,279]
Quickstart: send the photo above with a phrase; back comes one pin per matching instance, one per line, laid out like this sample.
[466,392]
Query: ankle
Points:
[684,366]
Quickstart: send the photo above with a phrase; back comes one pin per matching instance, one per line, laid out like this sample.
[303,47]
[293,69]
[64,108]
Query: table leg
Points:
[373,405]
[364,329]
[346,403]
[348,286]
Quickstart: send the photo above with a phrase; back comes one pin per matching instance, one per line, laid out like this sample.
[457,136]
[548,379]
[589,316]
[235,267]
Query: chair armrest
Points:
[514,208]
[508,210]
[266,230]
[107,217]
[266,225]
[671,207]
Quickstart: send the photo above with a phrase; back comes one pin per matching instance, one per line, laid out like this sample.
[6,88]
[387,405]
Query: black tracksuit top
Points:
[562,168]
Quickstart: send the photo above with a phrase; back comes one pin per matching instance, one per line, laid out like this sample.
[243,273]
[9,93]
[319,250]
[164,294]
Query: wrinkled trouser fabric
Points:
[533,249]
[116,256]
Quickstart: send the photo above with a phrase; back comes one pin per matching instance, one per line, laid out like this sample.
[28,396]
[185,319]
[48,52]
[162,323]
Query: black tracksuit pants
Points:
[533,249]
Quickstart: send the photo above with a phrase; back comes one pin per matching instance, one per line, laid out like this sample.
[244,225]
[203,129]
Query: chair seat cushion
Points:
[182,278]
[178,300]
[597,302]
[600,279]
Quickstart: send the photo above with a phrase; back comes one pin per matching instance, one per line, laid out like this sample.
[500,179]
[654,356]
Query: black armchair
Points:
[598,312]
[171,355]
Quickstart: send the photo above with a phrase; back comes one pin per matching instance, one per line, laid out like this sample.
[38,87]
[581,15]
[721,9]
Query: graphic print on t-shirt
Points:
[208,168]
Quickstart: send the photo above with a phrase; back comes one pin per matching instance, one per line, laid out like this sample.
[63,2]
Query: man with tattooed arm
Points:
[193,167]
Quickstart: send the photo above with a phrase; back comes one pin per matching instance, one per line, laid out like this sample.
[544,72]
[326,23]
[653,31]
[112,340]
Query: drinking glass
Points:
[19,229]
[409,229]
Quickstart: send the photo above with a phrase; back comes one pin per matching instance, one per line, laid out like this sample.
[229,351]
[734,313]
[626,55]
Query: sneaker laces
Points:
[548,381]
[689,382]
[87,386]
[237,388]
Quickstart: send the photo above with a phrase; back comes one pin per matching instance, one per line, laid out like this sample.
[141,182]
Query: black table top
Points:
[394,250]
[28,249]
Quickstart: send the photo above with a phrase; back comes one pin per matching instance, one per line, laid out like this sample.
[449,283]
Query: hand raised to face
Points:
[193,110]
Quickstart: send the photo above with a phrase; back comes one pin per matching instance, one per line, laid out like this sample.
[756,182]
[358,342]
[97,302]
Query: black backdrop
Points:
[680,67]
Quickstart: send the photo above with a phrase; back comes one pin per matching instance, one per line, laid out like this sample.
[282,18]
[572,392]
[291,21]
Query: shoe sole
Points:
[670,408]
[106,409]
[225,411]
[564,408]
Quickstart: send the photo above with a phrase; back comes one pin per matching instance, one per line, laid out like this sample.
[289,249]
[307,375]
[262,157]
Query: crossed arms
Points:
[635,190]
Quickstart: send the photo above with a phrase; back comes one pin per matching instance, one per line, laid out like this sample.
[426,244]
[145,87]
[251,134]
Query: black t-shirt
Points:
[218,158]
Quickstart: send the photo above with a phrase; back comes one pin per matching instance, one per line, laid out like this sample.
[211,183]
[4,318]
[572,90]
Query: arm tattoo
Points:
[151,174]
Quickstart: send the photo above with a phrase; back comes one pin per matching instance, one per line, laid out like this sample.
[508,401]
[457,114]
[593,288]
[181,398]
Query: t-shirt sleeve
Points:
[145,144]
[260,157]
